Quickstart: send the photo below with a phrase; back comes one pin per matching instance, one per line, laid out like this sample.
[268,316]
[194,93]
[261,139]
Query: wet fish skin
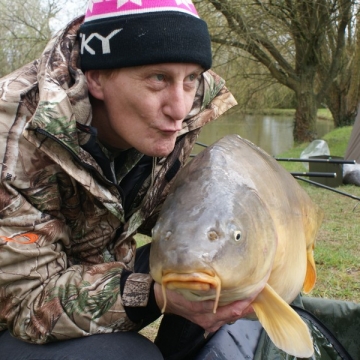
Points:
[235,225]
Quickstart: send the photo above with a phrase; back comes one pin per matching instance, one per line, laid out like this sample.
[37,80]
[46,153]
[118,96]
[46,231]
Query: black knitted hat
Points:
[123,33]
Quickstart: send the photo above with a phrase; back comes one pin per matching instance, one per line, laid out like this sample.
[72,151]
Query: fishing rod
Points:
[201,144]
[329,160]
[298,175]
[314,174]
[327,188]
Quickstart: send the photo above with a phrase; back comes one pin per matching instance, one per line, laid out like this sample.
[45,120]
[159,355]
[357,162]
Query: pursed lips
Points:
[169,130]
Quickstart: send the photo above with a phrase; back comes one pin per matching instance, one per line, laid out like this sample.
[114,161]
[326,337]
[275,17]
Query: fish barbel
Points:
[237,225]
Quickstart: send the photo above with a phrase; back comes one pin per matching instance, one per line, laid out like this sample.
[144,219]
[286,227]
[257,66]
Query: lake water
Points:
[271,133]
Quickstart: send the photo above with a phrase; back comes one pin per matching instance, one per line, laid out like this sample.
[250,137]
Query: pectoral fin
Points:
[283,325]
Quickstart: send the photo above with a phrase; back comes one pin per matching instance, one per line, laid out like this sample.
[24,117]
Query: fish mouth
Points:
[195,281]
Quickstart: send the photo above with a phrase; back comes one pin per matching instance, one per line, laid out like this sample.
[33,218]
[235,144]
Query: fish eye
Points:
[237,235]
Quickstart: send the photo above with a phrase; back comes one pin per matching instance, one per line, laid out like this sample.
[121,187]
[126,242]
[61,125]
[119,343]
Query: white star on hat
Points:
[122,2]
[185,2]
[92,2]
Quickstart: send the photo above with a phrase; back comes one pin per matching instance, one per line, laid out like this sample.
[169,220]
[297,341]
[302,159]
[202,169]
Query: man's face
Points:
[144,106]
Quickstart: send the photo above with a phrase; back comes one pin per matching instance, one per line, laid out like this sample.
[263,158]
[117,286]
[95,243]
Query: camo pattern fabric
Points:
[64,240]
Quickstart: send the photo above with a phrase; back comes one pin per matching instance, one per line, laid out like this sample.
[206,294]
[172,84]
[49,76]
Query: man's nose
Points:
[178,102]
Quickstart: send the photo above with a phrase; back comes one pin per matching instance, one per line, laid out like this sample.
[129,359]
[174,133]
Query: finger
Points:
[236,309]
[228,314]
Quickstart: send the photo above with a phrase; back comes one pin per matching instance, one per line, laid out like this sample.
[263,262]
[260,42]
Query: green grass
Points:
[337,141]
[321,113]
[324,114]
[337,251]
[142,239]
[279,112]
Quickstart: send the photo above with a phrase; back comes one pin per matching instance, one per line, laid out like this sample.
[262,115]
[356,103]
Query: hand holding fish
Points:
[202,312]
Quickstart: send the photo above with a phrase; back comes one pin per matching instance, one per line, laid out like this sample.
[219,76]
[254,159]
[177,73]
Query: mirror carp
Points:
[237,225]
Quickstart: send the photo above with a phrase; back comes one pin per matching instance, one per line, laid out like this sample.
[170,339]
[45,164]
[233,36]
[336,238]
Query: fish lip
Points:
[204,277]
[208,272]
[198,281]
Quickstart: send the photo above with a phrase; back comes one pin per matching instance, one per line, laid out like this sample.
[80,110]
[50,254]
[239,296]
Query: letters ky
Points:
[105,42]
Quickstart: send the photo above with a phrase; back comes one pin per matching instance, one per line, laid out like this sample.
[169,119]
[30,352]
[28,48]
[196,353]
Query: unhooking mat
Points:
[334,326]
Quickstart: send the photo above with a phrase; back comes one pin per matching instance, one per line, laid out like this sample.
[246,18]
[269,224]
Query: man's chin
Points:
[161,150]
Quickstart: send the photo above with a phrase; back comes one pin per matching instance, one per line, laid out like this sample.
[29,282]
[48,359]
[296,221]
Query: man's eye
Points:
[159,77]
[193,78]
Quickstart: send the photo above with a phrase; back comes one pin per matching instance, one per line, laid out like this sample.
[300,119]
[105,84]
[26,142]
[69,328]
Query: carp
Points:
[237,225]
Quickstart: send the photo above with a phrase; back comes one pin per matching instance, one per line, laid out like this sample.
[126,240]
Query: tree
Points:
[354,90]
[24,32]
[25,29]
[340,96]
[286,37]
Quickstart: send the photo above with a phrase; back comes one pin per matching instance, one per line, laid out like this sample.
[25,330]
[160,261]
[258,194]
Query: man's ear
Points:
[95,83]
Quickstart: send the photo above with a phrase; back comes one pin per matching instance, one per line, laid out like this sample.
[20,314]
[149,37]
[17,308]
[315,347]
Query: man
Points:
[92,134]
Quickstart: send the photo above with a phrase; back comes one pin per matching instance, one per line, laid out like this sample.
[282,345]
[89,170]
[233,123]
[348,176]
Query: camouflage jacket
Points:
[64,238]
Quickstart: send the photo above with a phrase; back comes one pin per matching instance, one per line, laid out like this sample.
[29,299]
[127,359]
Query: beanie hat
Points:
[123,33]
